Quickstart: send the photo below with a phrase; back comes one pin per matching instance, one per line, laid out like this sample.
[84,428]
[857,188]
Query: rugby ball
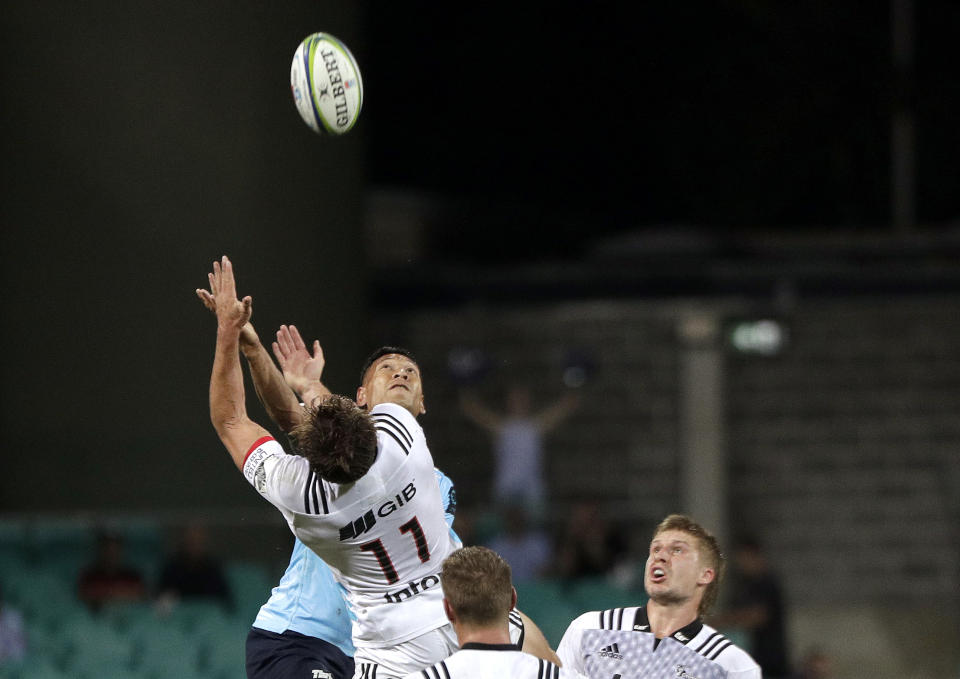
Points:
[326,84]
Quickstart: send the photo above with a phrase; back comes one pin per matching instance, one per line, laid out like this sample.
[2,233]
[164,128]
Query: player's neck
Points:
[667,618]
[469,634]
[413,410]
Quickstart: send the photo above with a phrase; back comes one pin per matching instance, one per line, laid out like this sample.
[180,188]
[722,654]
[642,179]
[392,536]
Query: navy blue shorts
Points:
[271,655]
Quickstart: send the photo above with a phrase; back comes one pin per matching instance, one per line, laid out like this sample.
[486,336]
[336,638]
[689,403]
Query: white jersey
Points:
[618,642]
[493,661]
[384,536]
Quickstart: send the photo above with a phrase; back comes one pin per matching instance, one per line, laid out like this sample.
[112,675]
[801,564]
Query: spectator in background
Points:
[589,545]
[192,572]
[518,443]
[757,607]
[13,638]
[528,551]
[108,579]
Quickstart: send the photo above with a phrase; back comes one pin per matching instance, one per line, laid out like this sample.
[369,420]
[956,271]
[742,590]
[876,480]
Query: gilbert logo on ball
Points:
[326,84]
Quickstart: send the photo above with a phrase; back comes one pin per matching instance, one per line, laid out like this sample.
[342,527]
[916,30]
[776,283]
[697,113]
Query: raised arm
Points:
[228,411]
[277,398]
[477,412]
[534,641]
[554,414]
[301,370]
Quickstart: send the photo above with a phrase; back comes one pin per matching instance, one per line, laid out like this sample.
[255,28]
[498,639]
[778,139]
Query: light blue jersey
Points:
[310,601]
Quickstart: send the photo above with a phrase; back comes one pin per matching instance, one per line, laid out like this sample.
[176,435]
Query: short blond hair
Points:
[709,550]
[477,584]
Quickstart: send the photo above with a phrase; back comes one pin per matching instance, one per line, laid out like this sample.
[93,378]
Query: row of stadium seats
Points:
[38,573]
[201,641]
[194,641]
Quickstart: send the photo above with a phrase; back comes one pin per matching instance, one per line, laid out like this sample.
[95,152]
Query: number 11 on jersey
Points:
[383,558]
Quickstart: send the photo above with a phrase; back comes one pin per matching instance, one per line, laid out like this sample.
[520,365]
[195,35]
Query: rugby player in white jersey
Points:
[667,638]
[478,598]
[381,530]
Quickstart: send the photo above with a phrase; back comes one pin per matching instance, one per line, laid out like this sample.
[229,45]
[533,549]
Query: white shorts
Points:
[405,658]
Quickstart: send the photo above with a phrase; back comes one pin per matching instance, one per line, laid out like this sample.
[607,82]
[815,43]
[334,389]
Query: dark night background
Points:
[142,140]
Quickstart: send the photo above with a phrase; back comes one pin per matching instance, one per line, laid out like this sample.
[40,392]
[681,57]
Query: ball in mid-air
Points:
[326,84]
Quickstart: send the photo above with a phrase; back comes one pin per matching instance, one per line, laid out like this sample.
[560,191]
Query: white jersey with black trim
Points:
[383,536]
[493,661]
[517,631]
[618,643]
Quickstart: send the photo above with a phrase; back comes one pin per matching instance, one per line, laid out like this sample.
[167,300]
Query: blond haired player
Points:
[667,638]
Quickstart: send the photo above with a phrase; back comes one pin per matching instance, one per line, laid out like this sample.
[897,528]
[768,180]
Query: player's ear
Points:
[706,576]
[361,397]
[423,407]
[513,599]
[448,610]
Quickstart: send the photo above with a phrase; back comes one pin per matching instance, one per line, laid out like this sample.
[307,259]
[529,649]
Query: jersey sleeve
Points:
[449,496]
[279,477]
[569,649]
[739,664]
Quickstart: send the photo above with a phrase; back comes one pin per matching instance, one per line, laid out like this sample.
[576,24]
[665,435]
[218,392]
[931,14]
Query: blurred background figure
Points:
[192,572]
[757,608]
[518,443]
[528,550]
[13,637]
[589,545]
[109,578]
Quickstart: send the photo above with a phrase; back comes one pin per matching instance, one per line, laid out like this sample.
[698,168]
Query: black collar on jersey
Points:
[477,646]
[641,623]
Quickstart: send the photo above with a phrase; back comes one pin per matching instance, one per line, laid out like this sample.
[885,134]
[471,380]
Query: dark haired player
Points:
[380,524]
[667,638]
[389,529]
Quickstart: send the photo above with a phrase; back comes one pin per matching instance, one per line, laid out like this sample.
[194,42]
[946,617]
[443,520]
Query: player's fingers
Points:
[283,338]
[317,350]
[207,299]
[296,338]
[226,273]
[281,357]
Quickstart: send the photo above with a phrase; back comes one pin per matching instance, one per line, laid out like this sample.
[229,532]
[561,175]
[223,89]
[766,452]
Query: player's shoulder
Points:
[438,669]
[717,647]
[264,456]
[508,661]
[395,412]
[397,424]
[622,618]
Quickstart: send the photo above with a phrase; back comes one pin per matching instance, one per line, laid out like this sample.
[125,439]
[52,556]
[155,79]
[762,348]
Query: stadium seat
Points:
[250,586]
[95,648]
[546,603]
[222,652]
[160,650]
[41,668]
[597,594]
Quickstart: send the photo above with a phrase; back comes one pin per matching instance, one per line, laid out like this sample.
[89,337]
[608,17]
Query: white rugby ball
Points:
[326,84]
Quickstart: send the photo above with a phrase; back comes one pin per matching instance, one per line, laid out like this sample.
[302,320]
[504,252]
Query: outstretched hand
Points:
[248,336]
[232,313]
[300,369]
